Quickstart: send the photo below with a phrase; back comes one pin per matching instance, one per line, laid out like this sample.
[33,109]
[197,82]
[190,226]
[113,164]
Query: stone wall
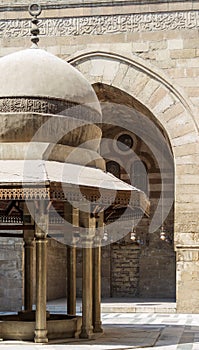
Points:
[11,272]
[12,267]
[56,270]
[125,270]
[157,274]
[187,276]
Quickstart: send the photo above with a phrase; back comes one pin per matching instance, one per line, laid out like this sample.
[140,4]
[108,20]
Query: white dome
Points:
[37,73]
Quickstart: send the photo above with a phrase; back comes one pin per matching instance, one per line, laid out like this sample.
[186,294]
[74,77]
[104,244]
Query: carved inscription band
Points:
[49,106]
[98,25]
[33,105]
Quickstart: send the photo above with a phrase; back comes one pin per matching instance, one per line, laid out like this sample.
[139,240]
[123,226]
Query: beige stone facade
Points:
[143,61]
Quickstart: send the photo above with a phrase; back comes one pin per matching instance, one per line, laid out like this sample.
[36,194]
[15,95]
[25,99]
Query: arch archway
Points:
[173,113]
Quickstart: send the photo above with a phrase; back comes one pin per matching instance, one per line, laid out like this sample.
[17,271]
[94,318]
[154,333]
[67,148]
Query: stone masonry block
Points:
[122,70]
[174,44]
[164,104]
[158,95]
[148,90]
[162,55]
[185,139]
[140,46]
[183,53]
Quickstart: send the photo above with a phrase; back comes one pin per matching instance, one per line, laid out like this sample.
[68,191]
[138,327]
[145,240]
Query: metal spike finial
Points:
[34,11]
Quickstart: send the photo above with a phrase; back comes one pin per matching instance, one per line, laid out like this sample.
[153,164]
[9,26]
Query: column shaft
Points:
[28,237]
[87,233]
[41,327]
[41,272]
[97,324]
[71,215]
[87,329]
[28,274]
[71,280]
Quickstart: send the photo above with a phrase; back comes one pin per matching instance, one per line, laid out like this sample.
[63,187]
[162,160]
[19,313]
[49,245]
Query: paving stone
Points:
[125,331]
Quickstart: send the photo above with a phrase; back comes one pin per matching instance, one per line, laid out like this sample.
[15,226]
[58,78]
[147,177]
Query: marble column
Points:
[87,327]
[71,280]
[41,273]
[71,215]
[28,237]
[97,324]
[28,272]
[87,235]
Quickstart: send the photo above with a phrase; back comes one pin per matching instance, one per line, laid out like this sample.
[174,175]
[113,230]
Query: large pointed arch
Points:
[169,105]
[176,114]
[146,83]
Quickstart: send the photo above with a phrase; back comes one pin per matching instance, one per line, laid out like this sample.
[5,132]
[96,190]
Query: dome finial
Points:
[34,11]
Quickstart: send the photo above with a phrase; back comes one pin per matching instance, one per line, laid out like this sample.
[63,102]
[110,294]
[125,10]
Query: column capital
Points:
[71,216]
[41,240]
[88,228]
[28,241]
[41,219]
[97,240]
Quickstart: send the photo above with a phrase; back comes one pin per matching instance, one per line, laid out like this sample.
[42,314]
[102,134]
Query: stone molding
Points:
[107,6]
[103,24]
[76,3]
[187,247]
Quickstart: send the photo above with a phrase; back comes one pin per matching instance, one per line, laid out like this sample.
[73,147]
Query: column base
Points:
[40,336]
[97,328]
[87,334]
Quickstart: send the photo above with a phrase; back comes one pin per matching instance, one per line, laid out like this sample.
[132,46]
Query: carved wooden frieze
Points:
[103,24]
[24,193]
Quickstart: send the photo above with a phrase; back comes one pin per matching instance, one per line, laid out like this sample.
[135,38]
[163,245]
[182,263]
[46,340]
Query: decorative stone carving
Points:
[23,104]
[98,25]
[48,106]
